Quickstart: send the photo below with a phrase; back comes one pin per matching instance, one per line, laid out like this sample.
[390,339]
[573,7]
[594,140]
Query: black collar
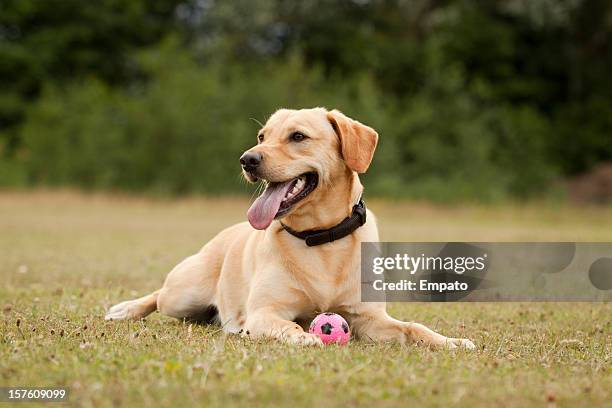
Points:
[346,227]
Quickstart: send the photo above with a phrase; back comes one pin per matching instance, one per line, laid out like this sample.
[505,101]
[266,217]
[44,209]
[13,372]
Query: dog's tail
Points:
[133,309]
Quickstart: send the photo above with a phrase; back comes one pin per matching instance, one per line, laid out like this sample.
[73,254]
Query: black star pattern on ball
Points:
[326,328]
[345,327]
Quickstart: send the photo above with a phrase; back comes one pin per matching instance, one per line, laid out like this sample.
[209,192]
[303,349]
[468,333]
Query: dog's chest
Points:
[329,276]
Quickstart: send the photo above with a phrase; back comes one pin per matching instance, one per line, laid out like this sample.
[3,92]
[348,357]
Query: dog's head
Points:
[299,152]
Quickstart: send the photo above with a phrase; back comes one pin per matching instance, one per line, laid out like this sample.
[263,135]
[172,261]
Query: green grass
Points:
[66,257]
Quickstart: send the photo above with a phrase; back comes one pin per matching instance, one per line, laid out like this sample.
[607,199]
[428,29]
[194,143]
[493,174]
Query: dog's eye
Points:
[297,137]
[260,137]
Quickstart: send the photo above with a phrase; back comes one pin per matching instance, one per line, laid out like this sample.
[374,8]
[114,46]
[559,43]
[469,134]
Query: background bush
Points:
[473,100]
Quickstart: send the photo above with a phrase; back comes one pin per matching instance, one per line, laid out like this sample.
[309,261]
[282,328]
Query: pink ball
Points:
[331,328]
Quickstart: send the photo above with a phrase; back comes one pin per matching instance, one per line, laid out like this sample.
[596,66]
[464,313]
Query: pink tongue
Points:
[262,211]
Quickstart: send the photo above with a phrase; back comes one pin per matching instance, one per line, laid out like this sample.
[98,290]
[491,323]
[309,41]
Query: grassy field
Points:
[66,257]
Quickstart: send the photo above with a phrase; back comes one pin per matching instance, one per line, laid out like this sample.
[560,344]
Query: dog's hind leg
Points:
[188,292]
[134,309]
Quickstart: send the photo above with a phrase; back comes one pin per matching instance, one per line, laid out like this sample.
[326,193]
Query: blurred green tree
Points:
[474,99]
[57,41]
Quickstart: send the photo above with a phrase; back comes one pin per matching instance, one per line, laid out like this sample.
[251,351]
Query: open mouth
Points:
[300,188]
[279,197]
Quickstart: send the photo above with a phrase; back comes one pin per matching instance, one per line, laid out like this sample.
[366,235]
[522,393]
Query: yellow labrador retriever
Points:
[261,277]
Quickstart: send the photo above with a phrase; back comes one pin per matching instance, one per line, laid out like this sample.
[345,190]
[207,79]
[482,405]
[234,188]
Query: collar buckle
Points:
[360,210]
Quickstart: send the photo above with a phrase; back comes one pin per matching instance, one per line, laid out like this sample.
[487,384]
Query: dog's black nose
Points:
[250,160]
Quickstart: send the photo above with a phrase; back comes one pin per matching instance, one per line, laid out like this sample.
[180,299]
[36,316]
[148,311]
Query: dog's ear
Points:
[357,140]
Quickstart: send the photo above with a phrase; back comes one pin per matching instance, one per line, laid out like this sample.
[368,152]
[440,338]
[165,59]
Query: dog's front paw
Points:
[454,343]
[303,339]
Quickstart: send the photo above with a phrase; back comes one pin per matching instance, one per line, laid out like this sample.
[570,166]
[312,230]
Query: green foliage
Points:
[182,133]
[473,99]
[185,131]
[43,42]
[453,141]
[12,173]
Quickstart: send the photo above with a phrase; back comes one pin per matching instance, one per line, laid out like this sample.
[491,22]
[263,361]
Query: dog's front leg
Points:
[267,322]
[380,326]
